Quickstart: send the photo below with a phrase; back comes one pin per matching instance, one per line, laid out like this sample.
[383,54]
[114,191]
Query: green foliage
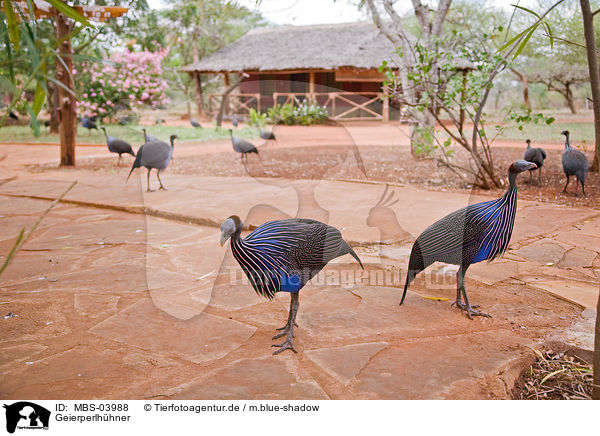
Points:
[257,119]
[306,114]
[523,118]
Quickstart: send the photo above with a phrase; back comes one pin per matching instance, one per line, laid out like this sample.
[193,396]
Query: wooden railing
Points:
[236,103]
[347,106]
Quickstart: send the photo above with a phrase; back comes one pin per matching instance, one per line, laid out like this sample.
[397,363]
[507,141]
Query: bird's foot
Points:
[284,331]
[471,313]
[162,188]
[150,190]
[287,345]
[463,306]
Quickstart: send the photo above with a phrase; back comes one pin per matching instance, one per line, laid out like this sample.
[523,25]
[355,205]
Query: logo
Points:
[26,415]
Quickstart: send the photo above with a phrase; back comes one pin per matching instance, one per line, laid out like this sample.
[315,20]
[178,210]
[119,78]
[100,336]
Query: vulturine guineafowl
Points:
[89,123]
[242,146]
[154,154]
[267,135]
[116,145]
[195,123]
[536,155]
[282,256]
[149,138]
[469,235]
[575,164]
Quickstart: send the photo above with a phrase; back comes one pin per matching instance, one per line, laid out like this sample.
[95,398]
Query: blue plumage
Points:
[469,235]
[282,256]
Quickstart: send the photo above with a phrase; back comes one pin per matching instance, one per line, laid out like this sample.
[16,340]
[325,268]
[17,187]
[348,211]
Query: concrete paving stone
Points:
[499,270]
[67,375]
[590,227]
[36,320]
[416,369]
[579,239]
[20,352]
[545,251]
[579,337]
[343,363]
[263,378]
[95,306]
[201,339]
[577,257]
[585,294]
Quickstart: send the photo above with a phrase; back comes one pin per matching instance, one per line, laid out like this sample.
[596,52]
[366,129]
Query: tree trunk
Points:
[52,102]
[66,100]
[523,80]
[569,97]
[225,96]
[590,43]
[199,101]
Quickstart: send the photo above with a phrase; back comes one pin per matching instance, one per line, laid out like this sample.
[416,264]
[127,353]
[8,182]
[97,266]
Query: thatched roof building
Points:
[287,48]
[335,65]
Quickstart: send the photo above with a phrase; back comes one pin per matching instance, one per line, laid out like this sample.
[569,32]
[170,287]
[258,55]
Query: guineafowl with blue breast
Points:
[536,155]
[469,235]
[575,164]
[116,145]
[282,256]
[154,154]
[89,123]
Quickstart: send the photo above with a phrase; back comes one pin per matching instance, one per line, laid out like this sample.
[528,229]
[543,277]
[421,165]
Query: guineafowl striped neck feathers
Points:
[232,226]
[173,137]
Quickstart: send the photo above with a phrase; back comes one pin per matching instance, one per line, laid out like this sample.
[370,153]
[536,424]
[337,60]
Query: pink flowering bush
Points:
[127,80]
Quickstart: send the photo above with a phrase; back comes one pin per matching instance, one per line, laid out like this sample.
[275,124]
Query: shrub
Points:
[127,80]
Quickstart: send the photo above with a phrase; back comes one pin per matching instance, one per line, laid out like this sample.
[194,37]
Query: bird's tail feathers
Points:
[136,163]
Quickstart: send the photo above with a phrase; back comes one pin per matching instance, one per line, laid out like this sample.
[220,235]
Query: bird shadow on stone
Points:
[282,166]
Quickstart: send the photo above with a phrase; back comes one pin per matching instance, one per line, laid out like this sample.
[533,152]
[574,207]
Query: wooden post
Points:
[386,105]
[226,94]
[66,100]
[311,85]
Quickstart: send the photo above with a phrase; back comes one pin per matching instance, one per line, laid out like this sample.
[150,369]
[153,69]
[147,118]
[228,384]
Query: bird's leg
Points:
[119,161]
[161,187]
[567,184]
[469,309]
[540,176]
[148,181]
[530,176]
[286,327]
[289,344]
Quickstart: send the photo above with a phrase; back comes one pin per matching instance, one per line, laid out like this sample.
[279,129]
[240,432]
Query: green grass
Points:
[132,134]
[580,132]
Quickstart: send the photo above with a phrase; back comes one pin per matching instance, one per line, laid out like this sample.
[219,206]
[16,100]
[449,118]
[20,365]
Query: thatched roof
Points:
[330,46]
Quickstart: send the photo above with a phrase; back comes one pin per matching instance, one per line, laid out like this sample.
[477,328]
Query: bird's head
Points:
[230,226]
[521,165]
[565,132]
[528,141]
[230,131]
[173,138]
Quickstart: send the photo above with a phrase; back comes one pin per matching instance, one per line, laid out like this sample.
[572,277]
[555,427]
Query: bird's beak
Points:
[532,166]
[223,239]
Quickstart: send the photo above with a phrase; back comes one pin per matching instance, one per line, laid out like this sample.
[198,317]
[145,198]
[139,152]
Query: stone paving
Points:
[127,294]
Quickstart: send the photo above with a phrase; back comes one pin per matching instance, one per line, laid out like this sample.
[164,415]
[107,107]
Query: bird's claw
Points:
[286,327]
[162,188]
[287,345]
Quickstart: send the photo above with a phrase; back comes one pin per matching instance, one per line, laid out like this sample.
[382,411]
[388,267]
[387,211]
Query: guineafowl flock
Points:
[284,255]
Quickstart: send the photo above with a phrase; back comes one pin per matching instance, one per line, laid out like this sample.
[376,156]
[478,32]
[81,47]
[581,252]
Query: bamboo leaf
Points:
[527,10]
[512,40]
[70,12]
[38,98]
[524,42]
[11,22]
